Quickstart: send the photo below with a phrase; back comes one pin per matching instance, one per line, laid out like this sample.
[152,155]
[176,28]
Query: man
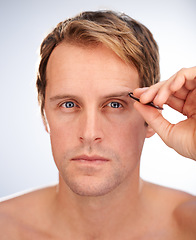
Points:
[88,66]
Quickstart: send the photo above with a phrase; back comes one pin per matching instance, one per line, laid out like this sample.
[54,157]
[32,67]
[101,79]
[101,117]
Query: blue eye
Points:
[114,104]
[68,104]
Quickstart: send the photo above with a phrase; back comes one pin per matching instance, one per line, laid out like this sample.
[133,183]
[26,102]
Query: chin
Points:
[89,186]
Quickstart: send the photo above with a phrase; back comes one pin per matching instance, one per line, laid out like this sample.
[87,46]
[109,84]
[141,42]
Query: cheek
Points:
[62,136]
[130,135]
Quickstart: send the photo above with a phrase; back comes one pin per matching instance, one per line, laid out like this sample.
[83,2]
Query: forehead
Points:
[72,67]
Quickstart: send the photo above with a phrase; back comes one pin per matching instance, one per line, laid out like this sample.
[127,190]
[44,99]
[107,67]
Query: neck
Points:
[101,216]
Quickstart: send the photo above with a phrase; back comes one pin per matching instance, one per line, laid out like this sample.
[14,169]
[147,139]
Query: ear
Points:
[46,128]
[45,122]
[149,132]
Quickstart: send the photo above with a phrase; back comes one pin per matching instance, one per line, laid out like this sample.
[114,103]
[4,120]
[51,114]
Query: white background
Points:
[25,156]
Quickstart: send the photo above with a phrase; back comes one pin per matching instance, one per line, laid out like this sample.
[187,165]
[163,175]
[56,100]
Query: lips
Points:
[94,158]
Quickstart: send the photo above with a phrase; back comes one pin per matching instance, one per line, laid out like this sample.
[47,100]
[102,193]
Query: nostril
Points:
[97,138]
[81,138]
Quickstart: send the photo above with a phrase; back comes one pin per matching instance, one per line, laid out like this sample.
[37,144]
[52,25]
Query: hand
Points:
[179,92]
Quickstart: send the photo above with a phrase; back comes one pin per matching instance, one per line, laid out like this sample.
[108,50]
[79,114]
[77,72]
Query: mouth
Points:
[90,159]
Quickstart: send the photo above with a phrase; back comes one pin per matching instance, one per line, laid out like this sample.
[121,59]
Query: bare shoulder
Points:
[23,212]
[180,205]
[185,214]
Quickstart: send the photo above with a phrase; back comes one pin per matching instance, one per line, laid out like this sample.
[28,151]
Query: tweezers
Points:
[138,100]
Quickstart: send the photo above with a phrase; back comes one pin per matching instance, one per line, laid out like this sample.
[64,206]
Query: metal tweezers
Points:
[150,103]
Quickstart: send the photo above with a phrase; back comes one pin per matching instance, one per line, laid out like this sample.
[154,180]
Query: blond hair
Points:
[128,38]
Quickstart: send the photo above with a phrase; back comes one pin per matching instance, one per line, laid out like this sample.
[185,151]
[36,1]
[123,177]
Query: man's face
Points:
[96,134]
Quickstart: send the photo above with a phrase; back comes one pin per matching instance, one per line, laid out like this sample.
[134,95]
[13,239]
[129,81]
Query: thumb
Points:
[156,121]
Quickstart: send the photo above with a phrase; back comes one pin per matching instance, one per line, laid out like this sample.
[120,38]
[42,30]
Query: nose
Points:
[90,127]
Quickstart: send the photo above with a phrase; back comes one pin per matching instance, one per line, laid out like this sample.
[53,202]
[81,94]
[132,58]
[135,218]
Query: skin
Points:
[90,117]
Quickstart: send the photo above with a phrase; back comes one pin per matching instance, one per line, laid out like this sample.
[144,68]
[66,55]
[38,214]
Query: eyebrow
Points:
[118,94]
[62,96]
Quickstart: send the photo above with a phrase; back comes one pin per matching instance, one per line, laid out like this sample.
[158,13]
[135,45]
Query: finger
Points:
[176,85]
[149,93]
[185,106]
[155,119]
[186,76]
[182,93]
[176,103]
[138,91]
[157,93]
[190,107]
[164,92]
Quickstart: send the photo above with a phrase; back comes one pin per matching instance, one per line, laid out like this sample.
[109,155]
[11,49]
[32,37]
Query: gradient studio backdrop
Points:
[25,156]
